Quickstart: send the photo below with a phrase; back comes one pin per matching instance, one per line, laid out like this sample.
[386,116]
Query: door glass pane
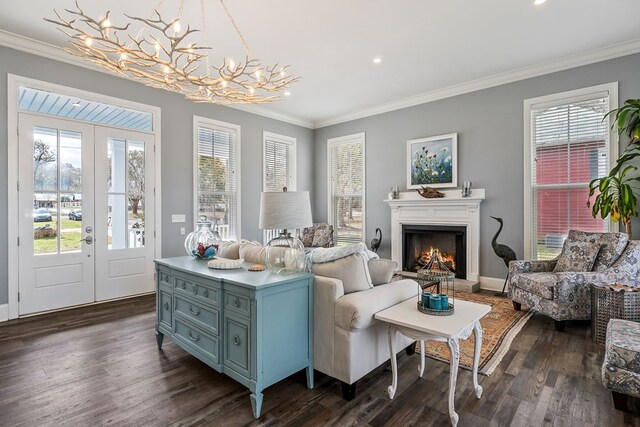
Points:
[70,161]
[70,222]
[45,229]
[45,156]
[135,194]
[117,221]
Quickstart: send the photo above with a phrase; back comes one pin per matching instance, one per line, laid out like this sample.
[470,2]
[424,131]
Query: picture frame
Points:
[432,162]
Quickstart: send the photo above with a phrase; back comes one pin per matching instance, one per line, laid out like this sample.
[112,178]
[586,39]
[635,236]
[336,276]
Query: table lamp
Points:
[286,210]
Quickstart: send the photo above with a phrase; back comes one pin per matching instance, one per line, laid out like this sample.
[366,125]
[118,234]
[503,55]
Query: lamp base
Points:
[285,254]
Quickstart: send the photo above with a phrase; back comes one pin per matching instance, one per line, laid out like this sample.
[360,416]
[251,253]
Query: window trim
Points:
[334,142]
[207,122]
[283,139]
[607,89]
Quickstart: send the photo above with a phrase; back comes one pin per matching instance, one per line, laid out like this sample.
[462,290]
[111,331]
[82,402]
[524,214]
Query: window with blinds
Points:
[569,146]
[347,188]
[217,175]
[279,167]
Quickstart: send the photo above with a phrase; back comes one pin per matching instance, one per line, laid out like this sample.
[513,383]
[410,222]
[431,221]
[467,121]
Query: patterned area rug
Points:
[500,327]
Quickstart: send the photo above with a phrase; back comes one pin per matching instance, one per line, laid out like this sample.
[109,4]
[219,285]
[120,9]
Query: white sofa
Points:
[348,342]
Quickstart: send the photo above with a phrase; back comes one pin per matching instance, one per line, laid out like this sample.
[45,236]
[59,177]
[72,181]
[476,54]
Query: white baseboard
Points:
[491,283]
[4,312]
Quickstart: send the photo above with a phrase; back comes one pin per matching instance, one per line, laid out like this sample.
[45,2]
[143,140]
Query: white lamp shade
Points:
[287,209]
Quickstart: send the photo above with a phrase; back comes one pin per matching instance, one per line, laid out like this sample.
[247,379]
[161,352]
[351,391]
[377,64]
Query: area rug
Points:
[500,327]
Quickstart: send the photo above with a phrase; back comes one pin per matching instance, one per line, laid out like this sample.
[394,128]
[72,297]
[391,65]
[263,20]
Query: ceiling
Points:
[428,48]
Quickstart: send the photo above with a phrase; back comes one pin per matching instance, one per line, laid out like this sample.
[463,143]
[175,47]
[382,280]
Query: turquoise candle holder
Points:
[444,299]
[435,302]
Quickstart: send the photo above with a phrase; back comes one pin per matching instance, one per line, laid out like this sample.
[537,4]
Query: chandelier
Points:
[160,54]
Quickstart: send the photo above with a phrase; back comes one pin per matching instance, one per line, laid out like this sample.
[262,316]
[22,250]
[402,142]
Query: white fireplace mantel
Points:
[452,209]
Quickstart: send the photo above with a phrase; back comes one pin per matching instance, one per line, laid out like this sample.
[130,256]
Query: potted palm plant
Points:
[617,193]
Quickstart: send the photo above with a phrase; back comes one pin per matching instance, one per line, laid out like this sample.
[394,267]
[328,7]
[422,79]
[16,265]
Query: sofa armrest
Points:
[531,266]
[569,282]
[326,291]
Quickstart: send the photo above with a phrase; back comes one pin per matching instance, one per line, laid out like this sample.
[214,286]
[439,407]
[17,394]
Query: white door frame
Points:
[13,83]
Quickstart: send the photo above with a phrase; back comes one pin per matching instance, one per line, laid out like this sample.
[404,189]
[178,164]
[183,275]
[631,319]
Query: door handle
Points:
[88,240]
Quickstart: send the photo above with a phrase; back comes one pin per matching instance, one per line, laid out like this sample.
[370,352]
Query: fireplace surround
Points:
[453,210]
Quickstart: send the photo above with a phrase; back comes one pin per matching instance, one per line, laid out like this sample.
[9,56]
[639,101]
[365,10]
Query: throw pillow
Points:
[229,250]
[323,236]
[611,246]
[577,256]
[352,270]
[308,235]
[381,270]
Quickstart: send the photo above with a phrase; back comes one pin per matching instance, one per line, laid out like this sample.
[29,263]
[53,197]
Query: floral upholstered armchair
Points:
[318,236]
[561,288]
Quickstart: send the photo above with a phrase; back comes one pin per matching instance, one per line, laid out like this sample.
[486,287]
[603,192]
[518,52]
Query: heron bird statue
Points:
[503,251]
[376,241]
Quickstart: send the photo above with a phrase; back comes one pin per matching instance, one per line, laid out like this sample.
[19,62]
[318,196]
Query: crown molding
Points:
[51,51]
[548,67]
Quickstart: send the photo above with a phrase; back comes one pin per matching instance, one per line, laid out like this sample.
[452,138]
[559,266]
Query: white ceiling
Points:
[426,45]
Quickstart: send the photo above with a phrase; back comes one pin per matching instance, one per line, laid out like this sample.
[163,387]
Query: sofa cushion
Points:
[577,256]
[611,246]
[229,250]
[381,270]
[356,310]
[623,344]
[541,284]
[352,270]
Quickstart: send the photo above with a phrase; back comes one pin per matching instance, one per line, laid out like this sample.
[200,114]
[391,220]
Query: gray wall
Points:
[489,124]
[177,143]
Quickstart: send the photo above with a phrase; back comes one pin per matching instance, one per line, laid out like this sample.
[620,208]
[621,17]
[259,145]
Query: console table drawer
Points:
[165,279]
[236,345]
[165,311]
[237,303]
[207,318]
[206,294]
[195,337]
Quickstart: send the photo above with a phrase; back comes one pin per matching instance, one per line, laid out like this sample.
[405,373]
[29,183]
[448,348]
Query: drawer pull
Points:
[194,312]
[206,293]
[184,285]
[192,338]
[195,290]
[236,302]
[166,305]
[236,340]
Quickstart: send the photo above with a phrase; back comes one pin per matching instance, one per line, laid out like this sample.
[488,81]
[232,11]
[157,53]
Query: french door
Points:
[86,218]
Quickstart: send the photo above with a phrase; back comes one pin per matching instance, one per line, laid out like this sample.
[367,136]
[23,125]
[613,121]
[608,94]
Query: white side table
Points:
[406,319]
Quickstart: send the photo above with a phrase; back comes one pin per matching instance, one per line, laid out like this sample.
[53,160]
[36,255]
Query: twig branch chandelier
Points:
[160,56]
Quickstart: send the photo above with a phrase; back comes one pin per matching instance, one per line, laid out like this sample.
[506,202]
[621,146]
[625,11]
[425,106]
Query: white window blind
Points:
[279,167]
[217,173]
[569,146]
[346,188]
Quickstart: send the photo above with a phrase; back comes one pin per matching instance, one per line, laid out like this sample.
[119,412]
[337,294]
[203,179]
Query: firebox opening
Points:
[418,242]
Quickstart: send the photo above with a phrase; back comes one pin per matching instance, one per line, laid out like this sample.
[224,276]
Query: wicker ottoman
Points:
[621,366]
[612,302]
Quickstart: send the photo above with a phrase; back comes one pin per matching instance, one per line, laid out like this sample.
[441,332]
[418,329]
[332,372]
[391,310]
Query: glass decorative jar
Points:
[285,254]
[202,243]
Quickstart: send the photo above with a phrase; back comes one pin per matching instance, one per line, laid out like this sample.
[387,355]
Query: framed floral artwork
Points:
[432,161]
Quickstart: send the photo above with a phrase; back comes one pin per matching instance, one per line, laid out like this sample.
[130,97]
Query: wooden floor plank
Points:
[99,365]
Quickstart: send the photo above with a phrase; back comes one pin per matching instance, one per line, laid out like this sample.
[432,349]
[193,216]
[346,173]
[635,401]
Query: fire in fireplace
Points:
[419,241]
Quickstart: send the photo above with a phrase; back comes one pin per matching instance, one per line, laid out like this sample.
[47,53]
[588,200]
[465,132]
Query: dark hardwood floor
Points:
[99,365]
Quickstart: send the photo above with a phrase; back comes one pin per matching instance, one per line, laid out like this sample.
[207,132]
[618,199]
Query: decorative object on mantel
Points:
[502,251]
[466,189]
[286,210]
[160,54]
[395,192]
[203,243]
[432,161]
[376,241]
[430,193]
[441,304]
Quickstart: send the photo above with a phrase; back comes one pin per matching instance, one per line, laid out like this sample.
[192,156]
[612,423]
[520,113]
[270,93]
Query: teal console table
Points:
[255,327]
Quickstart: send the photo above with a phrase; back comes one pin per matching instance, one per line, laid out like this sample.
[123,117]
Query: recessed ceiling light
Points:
[377,60]
[539,2]
[76,104]
[287,93]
